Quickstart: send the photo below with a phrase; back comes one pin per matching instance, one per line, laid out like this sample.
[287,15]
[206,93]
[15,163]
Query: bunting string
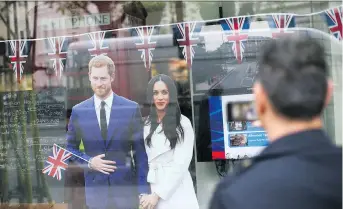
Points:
[234,30]
[198,21]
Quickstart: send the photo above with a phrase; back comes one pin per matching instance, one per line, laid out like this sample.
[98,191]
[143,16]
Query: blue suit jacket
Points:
[125,133]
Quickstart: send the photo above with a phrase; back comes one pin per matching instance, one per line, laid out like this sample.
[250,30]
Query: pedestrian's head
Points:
[292,84]
[101,75]
[162,99]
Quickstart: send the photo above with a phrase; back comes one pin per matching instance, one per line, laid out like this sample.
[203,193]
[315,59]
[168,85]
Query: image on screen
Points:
[233,134]
[241,111]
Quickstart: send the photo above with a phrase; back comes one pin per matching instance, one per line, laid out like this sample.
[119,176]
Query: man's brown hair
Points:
[100,61]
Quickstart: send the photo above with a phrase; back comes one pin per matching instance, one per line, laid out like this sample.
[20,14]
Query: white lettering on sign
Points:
[75,21]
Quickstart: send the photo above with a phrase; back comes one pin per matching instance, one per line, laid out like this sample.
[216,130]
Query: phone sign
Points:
[76,21]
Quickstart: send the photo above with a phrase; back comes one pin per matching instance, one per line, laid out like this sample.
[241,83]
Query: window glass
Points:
[47,92]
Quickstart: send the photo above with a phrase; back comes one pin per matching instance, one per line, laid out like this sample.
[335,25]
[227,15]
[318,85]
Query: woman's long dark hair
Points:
[171,122]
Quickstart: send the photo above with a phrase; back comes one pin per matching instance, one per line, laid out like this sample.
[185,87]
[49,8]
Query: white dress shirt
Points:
[108,107]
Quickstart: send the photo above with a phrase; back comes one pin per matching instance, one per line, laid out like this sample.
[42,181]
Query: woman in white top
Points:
[169,140]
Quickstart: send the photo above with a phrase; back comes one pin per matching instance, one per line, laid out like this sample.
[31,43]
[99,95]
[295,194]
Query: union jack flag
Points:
[98,43]
[333,18]
[233,28]
[282,22]
[18,57]
[57,162]
[188,40]
[58,54]
[145,44]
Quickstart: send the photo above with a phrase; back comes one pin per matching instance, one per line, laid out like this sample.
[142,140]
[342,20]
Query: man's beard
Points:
[102,91]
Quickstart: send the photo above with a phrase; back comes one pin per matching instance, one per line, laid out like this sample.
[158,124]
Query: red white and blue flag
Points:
[282,22]
[58,54]
[18,54]
[333,18]
[236,32]
[187,37]
[57,162]
[98,43]
[145,44]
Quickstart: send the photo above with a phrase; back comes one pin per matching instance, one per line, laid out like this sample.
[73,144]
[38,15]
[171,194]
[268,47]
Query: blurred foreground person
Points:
[301,168]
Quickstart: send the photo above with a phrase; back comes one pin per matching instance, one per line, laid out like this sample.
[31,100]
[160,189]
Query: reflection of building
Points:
[51,19]
[298,7]
[97,16]
[212,63]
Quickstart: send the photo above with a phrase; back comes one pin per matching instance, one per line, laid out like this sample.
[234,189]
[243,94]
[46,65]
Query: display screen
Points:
[241,111]
[233,135]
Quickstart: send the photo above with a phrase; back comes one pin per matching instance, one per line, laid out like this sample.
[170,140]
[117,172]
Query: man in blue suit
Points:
[110,127]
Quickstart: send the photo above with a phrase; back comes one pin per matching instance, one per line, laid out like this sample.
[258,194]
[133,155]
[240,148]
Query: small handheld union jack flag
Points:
[57,162]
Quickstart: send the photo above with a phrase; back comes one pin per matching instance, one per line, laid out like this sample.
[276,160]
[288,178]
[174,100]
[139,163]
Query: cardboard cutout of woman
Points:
[169,140]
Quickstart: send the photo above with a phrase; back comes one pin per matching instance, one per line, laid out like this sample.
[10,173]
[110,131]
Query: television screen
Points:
[232,134]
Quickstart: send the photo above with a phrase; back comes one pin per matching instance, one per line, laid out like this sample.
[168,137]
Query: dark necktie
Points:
[103,122]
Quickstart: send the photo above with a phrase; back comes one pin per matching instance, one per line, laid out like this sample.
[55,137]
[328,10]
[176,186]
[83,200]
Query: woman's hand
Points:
[149,201]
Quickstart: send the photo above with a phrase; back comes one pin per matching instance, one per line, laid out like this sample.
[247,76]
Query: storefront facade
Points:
[45,55]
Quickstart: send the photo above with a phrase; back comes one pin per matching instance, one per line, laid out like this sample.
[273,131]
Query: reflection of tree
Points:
[22,124]
[13,122]
[247,8]
[65,7]
[134,8]
[37,152]
[6,20]
[4,187]
[192,11]
[230,9]
[152,6]
[13,125]
[281,6]
[11,25]
[204,9]
[172,13]
[179,11]
[14,136]
[273,7]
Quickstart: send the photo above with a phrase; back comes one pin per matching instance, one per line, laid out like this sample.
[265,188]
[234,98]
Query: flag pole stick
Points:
[72,153]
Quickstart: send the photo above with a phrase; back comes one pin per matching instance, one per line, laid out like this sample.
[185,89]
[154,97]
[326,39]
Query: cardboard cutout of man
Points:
[110,127]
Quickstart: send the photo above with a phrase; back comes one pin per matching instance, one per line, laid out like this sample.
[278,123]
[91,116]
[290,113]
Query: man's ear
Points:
[260,98]
[329,92]
[112,77]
